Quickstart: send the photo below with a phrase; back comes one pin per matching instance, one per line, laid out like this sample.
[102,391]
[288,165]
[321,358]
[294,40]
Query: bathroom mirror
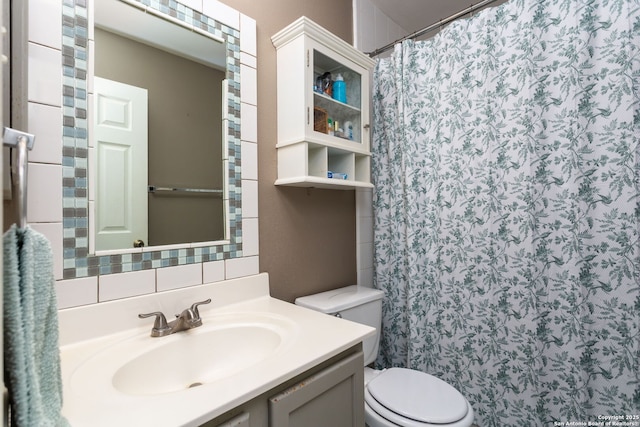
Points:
[157,130]
[192,188]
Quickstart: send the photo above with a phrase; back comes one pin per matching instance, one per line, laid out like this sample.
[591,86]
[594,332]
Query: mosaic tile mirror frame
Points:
[78,261]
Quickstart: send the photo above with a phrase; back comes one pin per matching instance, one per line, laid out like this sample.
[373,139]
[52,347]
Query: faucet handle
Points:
[160,326]
[194,307]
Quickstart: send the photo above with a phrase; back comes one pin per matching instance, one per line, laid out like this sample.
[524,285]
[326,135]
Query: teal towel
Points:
[31,353]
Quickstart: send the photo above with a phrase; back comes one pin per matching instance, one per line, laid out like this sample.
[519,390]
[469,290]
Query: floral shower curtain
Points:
[506,164]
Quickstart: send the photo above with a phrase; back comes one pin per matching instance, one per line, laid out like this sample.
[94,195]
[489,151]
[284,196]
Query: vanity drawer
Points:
[241,420]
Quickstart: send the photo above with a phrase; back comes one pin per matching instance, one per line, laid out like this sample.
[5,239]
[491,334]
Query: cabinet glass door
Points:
[337,99]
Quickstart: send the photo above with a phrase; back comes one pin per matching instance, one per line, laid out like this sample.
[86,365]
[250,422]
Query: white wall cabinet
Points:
[319,135]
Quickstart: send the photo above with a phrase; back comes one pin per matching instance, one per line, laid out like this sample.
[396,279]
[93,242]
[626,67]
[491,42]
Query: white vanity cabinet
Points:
[317,133]
[330,394]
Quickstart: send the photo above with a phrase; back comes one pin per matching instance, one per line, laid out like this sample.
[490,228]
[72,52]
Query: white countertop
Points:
[87,332]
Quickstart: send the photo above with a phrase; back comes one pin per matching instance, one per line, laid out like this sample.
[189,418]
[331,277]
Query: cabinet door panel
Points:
[333,397]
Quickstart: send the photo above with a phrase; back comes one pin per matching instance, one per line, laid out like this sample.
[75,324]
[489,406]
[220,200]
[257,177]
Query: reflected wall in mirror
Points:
[193,137]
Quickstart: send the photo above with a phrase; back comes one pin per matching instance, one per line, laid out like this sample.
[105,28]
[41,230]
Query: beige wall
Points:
[307,236]
[185,134]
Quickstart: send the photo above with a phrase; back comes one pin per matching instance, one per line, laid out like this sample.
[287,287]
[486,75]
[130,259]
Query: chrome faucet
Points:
[188,319]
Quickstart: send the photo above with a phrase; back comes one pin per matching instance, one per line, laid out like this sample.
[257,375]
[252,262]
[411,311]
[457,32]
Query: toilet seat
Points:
[415,399]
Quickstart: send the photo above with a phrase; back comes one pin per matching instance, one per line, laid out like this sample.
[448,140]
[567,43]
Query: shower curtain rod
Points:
[431,27]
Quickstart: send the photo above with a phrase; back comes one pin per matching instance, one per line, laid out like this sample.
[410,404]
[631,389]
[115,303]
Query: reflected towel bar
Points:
[155,189]
[22,142]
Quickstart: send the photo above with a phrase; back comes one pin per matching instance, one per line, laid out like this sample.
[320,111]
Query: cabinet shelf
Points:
[317,133]
[308,164]
[327,183]
[324,99]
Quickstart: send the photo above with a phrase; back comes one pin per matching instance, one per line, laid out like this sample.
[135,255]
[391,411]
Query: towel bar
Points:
[22,142]
[155,189]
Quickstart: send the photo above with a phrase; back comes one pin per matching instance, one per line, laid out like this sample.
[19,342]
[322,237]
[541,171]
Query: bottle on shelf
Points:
[348,130]
[340,89]
[327,84]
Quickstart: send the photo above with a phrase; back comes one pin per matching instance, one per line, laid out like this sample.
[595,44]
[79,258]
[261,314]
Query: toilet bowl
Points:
[395,396]
[405,397]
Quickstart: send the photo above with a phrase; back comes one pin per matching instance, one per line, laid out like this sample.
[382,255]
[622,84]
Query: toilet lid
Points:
[418,396]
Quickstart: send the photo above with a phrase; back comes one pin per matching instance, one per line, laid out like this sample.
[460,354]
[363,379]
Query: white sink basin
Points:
[223,346]
[196,359]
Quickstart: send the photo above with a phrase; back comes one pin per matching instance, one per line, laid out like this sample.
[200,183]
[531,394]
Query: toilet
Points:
[394,396]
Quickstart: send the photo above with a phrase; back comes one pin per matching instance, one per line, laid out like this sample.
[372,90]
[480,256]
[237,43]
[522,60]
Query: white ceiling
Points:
[414,15]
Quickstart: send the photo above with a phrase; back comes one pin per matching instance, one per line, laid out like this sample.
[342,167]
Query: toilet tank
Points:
[355,303]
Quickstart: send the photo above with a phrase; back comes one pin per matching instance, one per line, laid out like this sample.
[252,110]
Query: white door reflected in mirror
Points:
[121,140]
